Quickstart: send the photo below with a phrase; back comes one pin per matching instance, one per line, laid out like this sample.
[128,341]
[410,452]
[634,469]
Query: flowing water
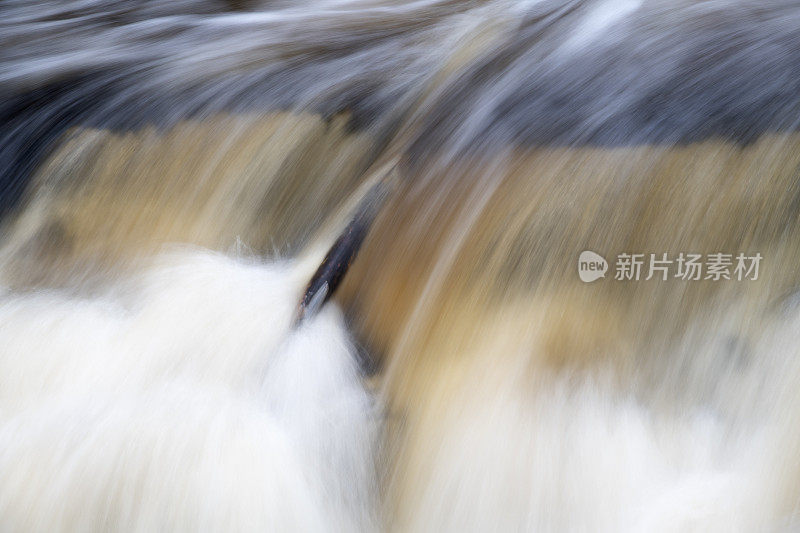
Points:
[172,174]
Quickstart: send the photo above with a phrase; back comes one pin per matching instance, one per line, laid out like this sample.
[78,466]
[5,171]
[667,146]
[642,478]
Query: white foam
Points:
[583,461]
[596,23]
[182,403]
[560,453]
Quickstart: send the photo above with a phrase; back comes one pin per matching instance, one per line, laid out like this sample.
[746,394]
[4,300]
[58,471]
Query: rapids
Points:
[172,174]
